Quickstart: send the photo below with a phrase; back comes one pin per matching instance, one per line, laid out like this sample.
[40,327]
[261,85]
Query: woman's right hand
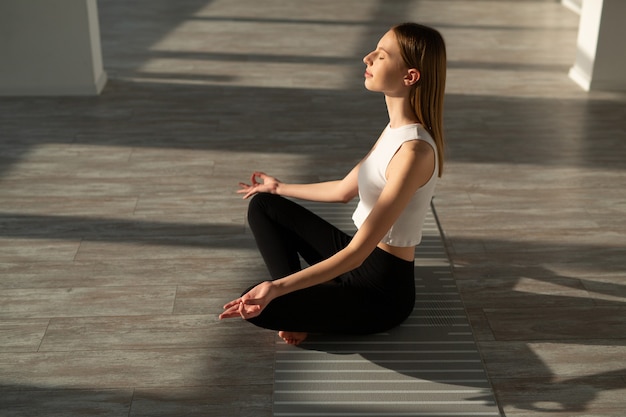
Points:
[268,184]
[251,304]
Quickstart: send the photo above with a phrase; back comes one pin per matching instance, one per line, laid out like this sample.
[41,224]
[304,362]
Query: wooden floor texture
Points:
[121,235]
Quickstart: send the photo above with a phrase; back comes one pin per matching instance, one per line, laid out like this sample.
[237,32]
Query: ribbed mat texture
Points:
[429,366]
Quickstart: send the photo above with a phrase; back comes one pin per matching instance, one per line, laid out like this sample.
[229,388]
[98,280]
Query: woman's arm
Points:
[409,169]
[339,191]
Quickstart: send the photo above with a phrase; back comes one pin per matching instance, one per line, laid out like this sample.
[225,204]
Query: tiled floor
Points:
[121,236]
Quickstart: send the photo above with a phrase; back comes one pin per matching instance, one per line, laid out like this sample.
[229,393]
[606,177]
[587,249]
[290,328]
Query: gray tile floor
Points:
[121,236]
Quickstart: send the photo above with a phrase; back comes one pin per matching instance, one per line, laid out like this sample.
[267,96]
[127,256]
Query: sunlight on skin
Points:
[293,338]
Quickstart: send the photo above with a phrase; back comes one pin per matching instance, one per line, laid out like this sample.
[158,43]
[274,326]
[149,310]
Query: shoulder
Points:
[413,136]
[420,143]
[417,149]
[415,159]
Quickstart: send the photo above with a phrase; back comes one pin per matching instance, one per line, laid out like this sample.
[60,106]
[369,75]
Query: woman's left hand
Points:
[251,304]
[268,184]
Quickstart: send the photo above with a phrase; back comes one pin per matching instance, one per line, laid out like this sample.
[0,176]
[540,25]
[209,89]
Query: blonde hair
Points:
[424,49]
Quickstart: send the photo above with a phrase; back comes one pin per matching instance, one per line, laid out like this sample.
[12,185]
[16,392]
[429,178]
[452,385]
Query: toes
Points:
[292,338]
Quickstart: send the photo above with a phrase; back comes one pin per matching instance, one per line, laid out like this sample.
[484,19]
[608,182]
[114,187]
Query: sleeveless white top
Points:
[407,230]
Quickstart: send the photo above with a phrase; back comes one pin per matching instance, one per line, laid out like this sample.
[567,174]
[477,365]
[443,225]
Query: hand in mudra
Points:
[251,304]
[268,184]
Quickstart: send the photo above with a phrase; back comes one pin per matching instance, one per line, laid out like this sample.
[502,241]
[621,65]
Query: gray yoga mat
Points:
[429,366]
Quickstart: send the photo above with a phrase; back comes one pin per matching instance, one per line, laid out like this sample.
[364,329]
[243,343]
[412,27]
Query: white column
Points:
[50,48]
[574,5]
[601,57]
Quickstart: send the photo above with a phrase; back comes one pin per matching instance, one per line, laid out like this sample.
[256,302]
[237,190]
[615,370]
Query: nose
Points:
[367,59]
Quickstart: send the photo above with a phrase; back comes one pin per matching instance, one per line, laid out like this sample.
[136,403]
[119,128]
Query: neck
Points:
[400,111]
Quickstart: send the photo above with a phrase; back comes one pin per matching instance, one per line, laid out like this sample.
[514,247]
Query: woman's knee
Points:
[261,201]
[264,205]
[257,204]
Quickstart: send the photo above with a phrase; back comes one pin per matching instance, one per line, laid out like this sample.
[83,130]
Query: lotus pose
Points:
[364,283]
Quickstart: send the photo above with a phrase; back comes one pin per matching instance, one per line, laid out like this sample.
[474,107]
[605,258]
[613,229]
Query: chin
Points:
[372,89]
[368,87]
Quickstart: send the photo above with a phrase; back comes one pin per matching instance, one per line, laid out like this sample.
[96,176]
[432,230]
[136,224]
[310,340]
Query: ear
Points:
[412,76]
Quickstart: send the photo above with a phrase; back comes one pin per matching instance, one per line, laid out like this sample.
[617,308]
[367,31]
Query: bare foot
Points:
[293,338]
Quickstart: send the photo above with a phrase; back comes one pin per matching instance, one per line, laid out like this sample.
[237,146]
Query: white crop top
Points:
[407,230]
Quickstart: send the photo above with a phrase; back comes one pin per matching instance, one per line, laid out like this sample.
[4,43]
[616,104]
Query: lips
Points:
[367,74]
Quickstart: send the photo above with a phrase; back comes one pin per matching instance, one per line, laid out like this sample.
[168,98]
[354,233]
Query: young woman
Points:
[363,283]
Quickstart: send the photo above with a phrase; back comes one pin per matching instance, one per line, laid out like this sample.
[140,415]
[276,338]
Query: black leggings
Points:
[372,298]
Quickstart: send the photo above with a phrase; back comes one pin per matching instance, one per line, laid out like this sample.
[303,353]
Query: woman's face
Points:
[386,70]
